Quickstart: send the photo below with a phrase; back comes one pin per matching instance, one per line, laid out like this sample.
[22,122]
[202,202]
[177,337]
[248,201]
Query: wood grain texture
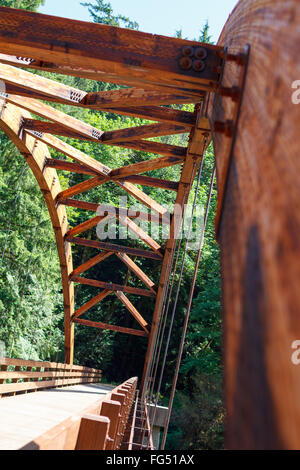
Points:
[260,227]
[105,326]
[111,53]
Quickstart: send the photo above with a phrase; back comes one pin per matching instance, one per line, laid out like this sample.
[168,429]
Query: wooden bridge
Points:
[242,91]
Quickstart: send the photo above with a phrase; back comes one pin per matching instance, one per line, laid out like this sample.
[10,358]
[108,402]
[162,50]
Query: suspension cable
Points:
[187,316]
[165,309]
[176,300]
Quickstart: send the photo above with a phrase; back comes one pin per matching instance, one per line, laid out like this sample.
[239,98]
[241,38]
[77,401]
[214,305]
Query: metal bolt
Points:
[201,53]
[198,65]
[188,51]
[185,63]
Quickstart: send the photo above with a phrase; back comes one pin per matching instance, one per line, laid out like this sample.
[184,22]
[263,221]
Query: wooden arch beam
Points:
[35,154]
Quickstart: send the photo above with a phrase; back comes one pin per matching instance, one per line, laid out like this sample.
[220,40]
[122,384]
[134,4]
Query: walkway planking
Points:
[23,418]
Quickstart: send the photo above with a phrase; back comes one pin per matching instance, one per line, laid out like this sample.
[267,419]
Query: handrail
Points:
[19,376]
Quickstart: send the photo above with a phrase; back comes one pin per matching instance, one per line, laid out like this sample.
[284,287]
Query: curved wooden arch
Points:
[36,153]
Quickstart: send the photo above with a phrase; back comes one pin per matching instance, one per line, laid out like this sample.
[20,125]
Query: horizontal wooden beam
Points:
[90,263]
[140,145]
[142,132]
[108,138]
[130,307]
[114,248]
[69,166]
[112,287]
[105,326]
[112,54]
[93,207]
[157,113]
[27,84]
[153,182]
[137,179]
[143,167]
[90,75]
[153,147]
[91,303]
[45,111]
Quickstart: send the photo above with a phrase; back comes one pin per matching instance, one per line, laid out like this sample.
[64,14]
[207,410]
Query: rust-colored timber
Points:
[109,137]
[35,154]
[68,166]
[113,287]
[116,248]
[105,326]
[134,57]
[259,228]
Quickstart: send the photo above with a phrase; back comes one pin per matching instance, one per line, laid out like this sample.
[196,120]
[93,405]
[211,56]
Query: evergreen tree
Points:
[102,12]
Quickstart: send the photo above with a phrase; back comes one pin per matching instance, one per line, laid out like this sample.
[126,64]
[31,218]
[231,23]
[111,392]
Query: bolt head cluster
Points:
[193,58]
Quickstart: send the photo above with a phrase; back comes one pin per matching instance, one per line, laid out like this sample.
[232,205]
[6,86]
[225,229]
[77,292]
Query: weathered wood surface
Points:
[113,54]
[23,418]
[259,229]
[46,375]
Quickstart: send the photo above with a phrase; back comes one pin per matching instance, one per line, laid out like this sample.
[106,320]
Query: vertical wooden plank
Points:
[111,409]
[93,433]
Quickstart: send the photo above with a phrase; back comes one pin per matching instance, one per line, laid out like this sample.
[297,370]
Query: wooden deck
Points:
[24,418]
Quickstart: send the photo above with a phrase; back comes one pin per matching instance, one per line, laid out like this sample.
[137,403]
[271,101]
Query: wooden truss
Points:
[157,71]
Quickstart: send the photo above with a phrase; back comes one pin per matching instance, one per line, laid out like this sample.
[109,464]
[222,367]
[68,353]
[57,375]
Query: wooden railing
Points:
[18,376]
[101,426]
[107,430]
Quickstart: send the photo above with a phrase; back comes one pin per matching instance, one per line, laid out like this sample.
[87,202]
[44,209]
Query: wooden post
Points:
[93,433]
[111,409]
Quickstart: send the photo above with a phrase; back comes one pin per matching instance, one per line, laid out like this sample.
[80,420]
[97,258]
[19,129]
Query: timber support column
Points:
[258,225]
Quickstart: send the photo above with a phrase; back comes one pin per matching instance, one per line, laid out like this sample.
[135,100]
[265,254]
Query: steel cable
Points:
[187,316]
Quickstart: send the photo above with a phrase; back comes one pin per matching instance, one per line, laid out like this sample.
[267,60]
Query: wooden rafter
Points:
[141,145]
[91,303]
[93,207]
[108,138]
[141,234]
[87,225]
[131,55]
[137,179]
[113,287]
[29,85]
[143,167]
[125,301]
[105,326]
[103,170]
[137,271]
[68,166]
[90,263]
[115,248]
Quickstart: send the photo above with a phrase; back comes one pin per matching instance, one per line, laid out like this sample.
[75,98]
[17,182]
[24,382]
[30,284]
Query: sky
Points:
[163,17]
